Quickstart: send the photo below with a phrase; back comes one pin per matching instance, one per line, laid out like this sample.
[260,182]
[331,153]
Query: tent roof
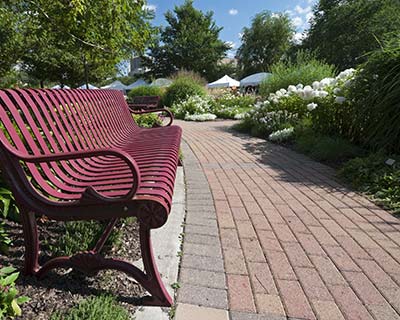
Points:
[90,86]
[138,83]
[116,85]
[59,87]
[161,82]
[254,79]
[224,82]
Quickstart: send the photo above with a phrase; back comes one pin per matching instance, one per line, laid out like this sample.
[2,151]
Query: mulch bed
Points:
[62,289]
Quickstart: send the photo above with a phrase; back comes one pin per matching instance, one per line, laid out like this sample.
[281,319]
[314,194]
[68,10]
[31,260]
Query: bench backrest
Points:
[145,102]
[48,121]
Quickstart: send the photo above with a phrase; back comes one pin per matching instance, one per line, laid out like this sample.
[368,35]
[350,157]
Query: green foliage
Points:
[333,150]
[343,31]
[181,89]
[375,112]
[373,176]
[82,236]
[190,41]
[147,120]
[145,91]
[228,106]
[9,300]
[94,308]
[264,43]
[194,105]
[305,70]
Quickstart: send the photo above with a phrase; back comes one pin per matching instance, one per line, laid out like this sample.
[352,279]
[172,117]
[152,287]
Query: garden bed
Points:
[62,289]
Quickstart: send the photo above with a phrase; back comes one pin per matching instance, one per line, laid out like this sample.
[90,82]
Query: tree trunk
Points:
[86,72]
[41,84]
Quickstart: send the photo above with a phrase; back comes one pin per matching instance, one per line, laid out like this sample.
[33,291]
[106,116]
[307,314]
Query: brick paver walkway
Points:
[295,243]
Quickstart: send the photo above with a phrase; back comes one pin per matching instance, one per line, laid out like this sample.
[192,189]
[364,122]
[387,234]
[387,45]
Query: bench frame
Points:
[90,206]
[144,103]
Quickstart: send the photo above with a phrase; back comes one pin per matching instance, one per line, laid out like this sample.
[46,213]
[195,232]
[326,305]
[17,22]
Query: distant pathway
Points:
[295,243]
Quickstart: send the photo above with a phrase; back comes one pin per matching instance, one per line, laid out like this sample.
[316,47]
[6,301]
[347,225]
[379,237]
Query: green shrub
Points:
[147,120]
[145,91]
[305,70]
[334,150]
[94,308]
[376,95]
[181,89]
[228,106]
[373,176]
[9,302]
[82,236]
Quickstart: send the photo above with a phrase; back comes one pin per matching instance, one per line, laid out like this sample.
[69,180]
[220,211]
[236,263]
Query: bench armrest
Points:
[90,195]
[167,111]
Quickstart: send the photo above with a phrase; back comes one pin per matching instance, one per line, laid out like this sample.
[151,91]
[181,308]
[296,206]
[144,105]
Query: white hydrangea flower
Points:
[200,117]
[292,89]
[312,106]
[300,86]
[316,85]
[281,135]
[308,93]
[337,91]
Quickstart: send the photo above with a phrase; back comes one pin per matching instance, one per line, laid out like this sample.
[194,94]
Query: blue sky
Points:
[233,15]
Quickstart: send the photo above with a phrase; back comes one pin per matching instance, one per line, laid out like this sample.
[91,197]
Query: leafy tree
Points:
[343,31]
[190,41]
[264,42]
[79,40]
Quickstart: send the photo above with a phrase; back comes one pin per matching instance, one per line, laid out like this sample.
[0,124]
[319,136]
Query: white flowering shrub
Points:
[285,107]
[281,135]
[229,105]
[200,117]
[195,105]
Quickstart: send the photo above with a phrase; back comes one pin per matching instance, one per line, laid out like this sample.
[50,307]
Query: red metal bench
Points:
[144,103]
[78,155]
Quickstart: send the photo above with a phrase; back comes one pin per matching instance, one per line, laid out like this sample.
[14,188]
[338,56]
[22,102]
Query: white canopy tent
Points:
[254,79]
[90,86]
[59,87]
[137,83]
[161,82]
[117,85]
[224,82]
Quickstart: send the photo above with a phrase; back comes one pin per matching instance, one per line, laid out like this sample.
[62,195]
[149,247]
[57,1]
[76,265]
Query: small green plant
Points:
[94,308]
[143,91]
[376,176]
[82,236]
[8,210]
[181,89]
[147,120]
[305,70]
[9,302]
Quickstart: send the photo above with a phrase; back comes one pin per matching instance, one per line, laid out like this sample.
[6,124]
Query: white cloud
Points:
[240,35]
[233,12]
[297,22]
[298,37]
[150,7]
[301,10]
[275,15]
[309,17]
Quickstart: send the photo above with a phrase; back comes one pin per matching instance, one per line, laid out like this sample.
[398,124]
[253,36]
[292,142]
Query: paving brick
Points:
[253,316]
[252,250]
[234,261]
[260,223]
[296,303]
[322,236]
[202,250]
[240,294]
[188,311]
[201,296]
[312,284]
[297,256]
[261,278]
[383,312]
[352,248]
[385,260]
[246,229]
[269,304]
[349,304]
[229,238]
[202,239]
[280,266]
[201,221]
[268,241]
[310,245]
[225,220]
[240,214]
[283,233]
[341,259]
[327,270]
[203,278]
[327,310]
[206,230]
[202,263]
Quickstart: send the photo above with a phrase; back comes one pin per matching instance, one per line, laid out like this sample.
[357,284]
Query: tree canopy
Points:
[343,31]
[78,39]
[264,42]
[190,41]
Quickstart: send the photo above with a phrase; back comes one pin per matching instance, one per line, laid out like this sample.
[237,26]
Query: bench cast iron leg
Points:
[31,240]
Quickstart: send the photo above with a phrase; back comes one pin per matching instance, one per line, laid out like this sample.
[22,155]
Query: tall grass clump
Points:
[145,91]
[376,99]
[186,84]
[305,70]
